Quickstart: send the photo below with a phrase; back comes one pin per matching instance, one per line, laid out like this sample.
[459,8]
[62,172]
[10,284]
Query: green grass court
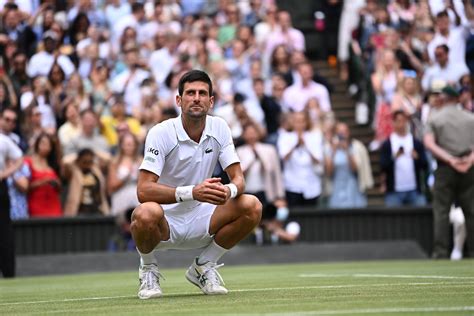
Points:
[352,288]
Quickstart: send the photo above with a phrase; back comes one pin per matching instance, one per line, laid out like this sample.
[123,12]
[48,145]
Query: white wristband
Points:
[184,194]
[233,190]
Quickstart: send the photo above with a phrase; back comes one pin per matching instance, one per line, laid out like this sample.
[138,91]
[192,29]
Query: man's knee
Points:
[252,208]
[146,215]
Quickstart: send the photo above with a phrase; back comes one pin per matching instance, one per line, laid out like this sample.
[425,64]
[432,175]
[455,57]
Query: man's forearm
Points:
[11,168]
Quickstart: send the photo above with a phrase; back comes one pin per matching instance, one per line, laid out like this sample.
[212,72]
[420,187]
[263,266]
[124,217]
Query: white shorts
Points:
[189,230]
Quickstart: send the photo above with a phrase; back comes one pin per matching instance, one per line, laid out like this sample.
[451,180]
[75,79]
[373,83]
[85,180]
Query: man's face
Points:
[441,56]
[443,24]
[306,72]
[195,101]
[400,124]
[85,163]
[19,63]
[8,121]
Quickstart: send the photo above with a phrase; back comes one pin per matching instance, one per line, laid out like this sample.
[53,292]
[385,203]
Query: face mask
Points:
[282,213]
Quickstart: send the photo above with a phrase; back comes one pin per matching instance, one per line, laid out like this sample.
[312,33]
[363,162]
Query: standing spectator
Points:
[302,154]
[403,162]
[262,170]
[8,124]
[453,37]
[39,98]
[384,82]
[15,28]
[449,137]
[44,189]
[348,166]
[10,161]
[409,100]
[40,63]
[271,110]
[286,34]
[296,96]
[444,68]
[86,195]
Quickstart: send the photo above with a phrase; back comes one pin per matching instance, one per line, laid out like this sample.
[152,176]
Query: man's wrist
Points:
[184,193]
[233,190]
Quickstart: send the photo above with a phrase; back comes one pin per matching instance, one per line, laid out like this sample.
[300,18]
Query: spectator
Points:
[348,167]
[302,154]
[384,82]
[122,177]
[72,127]
[271,110]
[18,75]
[8,96]
[8,124]
[86,194]
[89,138]
[39,98]
[408,99]
[449,138]
[404,164]
[454,37]
[10,161]
[110,123]
[286,34]
[444,68]
[15,28]
[40,63]
[75,90]
[128,81]
[45,185]
[99,86]
[296,96]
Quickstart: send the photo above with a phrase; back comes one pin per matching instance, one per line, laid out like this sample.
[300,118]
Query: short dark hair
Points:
[443,47]
[397,113]
[85,152]
[192,76]
[442,14]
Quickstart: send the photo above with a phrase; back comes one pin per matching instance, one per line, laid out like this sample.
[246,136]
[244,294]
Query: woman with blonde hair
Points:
[301,150]
[409,100]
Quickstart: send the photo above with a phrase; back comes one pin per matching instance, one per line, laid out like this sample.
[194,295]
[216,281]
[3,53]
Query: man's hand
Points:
[460,165]
[211,191]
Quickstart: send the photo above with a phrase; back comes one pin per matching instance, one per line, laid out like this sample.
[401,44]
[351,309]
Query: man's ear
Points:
[211,102]
[178,100]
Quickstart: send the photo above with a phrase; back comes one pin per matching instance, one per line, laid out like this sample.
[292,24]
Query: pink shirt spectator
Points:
[296,96]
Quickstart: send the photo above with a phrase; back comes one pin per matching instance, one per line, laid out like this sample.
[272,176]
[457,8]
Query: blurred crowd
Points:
[81,83]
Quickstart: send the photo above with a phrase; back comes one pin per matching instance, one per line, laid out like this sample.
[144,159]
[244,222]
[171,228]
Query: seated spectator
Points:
[72,127]
[302,154]
[403,162]
[89,138]
[87,189]
[40,63]
[110,123]
[45,185]
[348,168]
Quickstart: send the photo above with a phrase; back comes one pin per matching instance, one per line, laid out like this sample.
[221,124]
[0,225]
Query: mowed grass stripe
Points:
[295,288]
[254,290]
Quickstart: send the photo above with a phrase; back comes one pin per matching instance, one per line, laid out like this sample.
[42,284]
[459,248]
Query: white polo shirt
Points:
[179,161]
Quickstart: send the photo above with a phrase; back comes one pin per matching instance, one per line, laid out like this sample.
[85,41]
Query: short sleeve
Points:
[227,154]
[14,152]
[155,151]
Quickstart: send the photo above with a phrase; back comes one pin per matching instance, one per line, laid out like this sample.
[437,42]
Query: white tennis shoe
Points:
[149,277]
[206,277]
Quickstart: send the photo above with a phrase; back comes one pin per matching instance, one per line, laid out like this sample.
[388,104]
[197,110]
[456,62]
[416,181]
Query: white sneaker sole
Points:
[146,297]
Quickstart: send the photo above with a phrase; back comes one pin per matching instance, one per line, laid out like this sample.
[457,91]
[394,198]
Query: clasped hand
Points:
[211,191]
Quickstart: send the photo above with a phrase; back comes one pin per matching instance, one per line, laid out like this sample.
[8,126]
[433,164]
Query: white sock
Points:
[211,253]
[147,258]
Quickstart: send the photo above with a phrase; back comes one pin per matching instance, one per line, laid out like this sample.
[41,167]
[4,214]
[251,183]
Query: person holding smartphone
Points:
[403,162]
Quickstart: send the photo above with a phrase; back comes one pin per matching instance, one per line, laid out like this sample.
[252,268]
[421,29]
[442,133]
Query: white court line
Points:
[82,299]
[372,311]
[395,276]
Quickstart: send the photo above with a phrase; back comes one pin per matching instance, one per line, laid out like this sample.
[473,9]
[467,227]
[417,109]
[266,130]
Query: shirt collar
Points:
[183,136]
